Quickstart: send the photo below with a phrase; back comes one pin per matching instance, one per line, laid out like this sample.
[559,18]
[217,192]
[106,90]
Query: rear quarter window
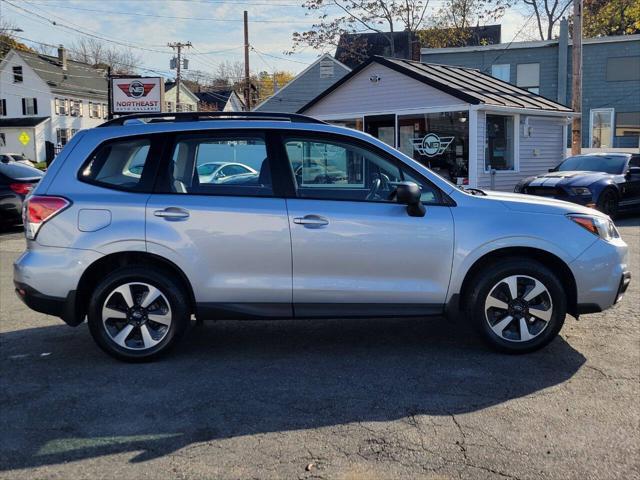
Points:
[119,164]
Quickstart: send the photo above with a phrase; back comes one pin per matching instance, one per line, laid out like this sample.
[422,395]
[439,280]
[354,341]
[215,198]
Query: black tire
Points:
[608,202]
[492,274]
[172,291]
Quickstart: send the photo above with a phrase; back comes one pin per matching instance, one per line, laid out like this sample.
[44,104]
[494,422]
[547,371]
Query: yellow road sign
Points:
[24,138]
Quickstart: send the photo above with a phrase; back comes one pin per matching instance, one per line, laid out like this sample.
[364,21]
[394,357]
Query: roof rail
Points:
[195,116]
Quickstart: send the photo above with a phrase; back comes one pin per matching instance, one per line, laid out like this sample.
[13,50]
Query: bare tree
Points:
[381,16]
[102,55]
[547,13]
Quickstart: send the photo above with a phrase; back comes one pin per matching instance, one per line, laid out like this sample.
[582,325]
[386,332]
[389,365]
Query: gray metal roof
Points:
[80,79]
[467,84]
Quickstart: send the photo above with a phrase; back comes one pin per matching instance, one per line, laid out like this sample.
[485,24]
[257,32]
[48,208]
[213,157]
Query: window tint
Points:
[220,165]
[18,171]
[336,170]
[635,161]
[119,164]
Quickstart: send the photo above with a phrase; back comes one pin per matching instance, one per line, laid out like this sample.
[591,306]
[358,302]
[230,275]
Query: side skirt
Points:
[263,311]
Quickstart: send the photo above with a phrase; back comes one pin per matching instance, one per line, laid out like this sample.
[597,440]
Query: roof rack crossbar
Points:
[195,116]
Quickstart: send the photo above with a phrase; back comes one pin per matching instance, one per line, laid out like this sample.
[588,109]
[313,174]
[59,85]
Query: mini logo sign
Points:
[431,144]
[136,89]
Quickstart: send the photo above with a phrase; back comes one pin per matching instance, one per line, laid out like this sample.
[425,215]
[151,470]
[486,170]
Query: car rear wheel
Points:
[608,202]
[518,305]
[137,314]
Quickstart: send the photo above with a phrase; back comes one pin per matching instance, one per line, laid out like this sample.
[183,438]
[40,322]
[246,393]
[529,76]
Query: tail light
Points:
[38,210]
[21,188]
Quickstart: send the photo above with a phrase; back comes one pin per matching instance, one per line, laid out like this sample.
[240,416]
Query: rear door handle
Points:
[172,213]
[311,221]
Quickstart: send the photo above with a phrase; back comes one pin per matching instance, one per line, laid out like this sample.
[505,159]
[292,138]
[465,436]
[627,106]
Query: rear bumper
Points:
[56,306]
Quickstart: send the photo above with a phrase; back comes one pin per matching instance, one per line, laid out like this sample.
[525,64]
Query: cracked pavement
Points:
[343,399]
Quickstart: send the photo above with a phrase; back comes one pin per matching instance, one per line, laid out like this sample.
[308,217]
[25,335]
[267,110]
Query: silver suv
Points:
[126,231]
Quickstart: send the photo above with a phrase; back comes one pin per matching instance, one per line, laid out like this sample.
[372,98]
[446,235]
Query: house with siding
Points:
[314,79]
[45,100]
[188,100]
[466,125]
[610,79]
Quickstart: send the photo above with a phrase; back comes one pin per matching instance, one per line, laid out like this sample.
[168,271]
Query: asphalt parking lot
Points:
[341,399]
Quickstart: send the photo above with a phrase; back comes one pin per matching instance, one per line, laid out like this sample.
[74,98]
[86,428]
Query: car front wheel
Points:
[518,305]
[137,314]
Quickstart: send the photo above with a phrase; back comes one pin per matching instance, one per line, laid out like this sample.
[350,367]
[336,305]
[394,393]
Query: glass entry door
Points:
[382,127]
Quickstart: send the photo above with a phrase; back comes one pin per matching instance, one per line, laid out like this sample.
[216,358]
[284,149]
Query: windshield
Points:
[18,171]
[594,163]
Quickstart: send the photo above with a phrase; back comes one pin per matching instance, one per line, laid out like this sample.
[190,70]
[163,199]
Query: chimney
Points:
[62,57]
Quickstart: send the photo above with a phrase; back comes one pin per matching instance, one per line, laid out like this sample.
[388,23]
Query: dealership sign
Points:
[431,144]
[135,95]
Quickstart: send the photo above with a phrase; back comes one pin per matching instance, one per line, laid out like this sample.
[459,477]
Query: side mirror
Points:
[554,169]
[409,193]
[633,171]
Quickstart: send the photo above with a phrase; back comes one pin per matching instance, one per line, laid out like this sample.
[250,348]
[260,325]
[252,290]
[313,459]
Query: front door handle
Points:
[311,221]
[172,213]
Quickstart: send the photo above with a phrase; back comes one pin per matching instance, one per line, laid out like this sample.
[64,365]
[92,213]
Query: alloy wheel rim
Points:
[518,308]
[136,316]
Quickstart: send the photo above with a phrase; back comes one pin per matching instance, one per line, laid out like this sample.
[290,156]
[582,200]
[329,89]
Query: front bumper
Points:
[602,275]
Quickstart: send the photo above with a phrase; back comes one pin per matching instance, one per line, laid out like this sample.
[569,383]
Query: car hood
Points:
[566,179]
[535,204]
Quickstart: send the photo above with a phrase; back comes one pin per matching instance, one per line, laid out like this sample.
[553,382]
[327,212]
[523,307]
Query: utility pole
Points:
[247,80]
[576,84]
[178,61]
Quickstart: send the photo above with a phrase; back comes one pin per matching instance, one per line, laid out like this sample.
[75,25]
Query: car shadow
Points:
[64,400]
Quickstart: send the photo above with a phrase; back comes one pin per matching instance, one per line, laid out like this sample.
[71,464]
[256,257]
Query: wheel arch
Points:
[104,265]
[550,260]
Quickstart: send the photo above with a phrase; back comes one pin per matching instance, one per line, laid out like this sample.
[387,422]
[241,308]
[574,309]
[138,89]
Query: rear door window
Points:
[119,164]
[219,164]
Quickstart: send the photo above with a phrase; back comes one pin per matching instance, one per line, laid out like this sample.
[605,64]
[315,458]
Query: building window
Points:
[94,110]
[499,143]
[620,69]
[601,131]
[528,77]
[17,75]
[169,106]
[76,108]
[501,72]
[61,106]
[29,106]
[627,124]
[439,141]
[3,107]
[326,68]
[105,111]
[62,136]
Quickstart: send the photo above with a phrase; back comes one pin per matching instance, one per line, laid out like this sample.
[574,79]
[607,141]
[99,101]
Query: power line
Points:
[279,58]
[99,37]
[138,14]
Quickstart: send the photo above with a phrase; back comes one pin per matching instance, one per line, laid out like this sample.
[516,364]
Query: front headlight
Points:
[602,227]
[580,191]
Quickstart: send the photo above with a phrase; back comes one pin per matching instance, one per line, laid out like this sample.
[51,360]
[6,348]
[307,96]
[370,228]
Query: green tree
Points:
[611,17]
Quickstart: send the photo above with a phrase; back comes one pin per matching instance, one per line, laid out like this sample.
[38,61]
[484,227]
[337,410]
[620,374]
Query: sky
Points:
[214,27]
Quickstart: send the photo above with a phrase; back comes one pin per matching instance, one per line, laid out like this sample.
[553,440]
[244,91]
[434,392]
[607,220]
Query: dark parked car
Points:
[16,181]
[609,182]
